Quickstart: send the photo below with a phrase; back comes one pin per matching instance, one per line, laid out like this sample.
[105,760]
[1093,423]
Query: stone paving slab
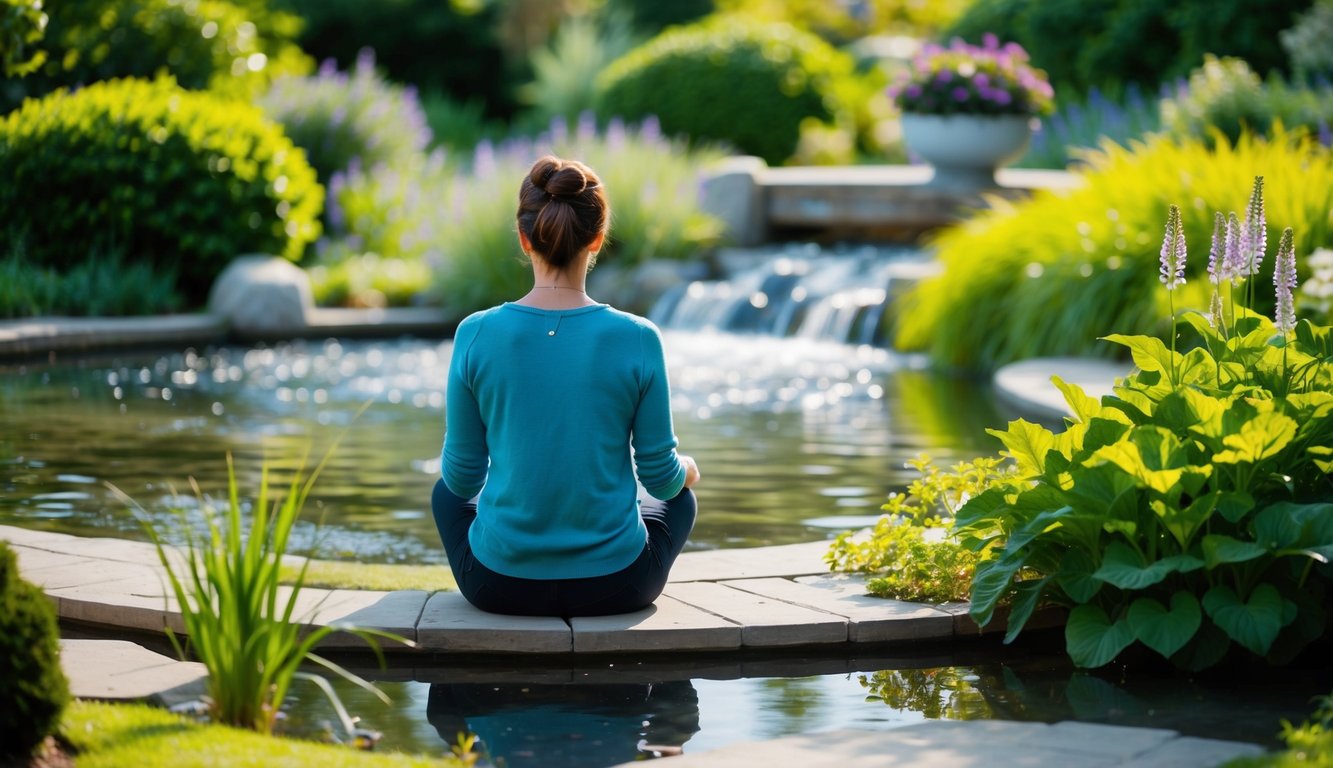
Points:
[870,619]
[449,623]
[396,612]
[666,625]
[764,621]
[1026,385]
[759,562]
[121,670]
[50,335]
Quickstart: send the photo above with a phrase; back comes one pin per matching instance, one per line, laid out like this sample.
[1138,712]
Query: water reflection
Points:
[572,724]
[791,432]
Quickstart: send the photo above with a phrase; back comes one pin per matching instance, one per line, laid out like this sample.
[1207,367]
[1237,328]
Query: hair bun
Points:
[568,181]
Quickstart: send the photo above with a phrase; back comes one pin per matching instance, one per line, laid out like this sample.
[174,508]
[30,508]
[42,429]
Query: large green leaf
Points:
[1259,438]
[1124,568]
[1323,450]
[1165,631]
[1234,505]
[1081,405]
[1182,523]
[1027,443]
[1209,646]
[1027,594]
[1152,455]
[990,582]
[1253,624]
[1149,353]
[982,510]
[1075,576]
[1219,549]
[1092,639]
[1277,526]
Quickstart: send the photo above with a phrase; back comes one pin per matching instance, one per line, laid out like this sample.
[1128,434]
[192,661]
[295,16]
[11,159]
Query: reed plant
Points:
[240,620]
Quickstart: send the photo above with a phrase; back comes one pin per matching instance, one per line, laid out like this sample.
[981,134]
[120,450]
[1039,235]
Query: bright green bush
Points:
[237,46]
[1227,96]
[33,688]
[1110,43]
[129,168]
[747,85]
[1048,275]
[344,118]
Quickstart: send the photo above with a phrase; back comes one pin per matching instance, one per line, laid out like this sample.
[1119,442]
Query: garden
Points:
[1179,528]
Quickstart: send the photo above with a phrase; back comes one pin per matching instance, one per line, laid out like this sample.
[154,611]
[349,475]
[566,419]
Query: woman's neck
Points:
[558,289]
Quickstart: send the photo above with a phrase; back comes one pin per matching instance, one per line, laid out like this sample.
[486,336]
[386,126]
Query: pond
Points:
[796,438]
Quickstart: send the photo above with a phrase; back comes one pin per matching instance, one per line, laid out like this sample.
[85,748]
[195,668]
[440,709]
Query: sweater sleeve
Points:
[465,459]
[653,438]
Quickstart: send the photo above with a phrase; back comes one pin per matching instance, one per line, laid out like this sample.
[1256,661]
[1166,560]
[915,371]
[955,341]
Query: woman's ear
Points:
[596,244]
[524,243]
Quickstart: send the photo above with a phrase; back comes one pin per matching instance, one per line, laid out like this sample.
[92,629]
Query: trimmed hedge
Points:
[33,688]
[147,170]
[743,84]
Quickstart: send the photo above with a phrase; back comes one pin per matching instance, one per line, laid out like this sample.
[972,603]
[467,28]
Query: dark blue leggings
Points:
[669,523]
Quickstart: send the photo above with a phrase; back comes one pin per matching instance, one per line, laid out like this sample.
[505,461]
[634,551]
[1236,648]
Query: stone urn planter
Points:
[965,150]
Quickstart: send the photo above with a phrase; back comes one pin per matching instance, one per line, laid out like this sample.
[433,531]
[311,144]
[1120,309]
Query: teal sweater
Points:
[542,410]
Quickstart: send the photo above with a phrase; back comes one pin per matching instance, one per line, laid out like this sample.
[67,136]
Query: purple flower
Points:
[1255,233]
[1217,251]
[1284,280]
[959,94]
[1233,260]
[1173,250]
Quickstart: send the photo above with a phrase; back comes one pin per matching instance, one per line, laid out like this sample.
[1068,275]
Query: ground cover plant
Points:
[240,620]
[1189,511]
[33,688]
[1049,275]
[100,735]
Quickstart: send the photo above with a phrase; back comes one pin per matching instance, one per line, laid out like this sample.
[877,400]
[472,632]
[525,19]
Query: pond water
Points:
[796,438]
[599,716]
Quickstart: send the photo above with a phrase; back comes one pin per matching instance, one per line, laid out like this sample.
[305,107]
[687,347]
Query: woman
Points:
[554,404]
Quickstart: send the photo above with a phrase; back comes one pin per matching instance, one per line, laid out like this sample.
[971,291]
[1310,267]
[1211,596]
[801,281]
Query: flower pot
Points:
[965,150]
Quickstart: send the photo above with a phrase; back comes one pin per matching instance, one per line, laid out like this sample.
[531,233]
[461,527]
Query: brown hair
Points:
[561,209]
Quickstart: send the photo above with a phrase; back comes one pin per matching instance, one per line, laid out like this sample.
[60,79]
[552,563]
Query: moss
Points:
[333,574]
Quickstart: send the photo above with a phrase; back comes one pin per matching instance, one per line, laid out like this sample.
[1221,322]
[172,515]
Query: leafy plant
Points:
[564,72]
[1047,276]
[1188,511]
[181,180]
[33,688]
[747,85]
[1309,43]
[907,552]
[346,118]
[101,285]
[22,27]
[240,621]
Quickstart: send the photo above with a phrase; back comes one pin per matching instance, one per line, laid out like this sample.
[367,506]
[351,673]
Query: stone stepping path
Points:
[769,597]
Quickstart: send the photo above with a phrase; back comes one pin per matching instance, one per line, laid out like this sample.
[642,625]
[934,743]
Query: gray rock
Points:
[262,295]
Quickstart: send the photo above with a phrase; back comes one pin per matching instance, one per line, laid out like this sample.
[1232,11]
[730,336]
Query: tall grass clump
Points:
[1046,276]
[240,621]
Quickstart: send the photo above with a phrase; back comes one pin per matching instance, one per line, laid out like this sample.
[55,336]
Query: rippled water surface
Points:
[795,438]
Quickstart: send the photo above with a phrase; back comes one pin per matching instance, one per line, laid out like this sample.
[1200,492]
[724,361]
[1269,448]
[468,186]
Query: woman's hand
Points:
[691,470]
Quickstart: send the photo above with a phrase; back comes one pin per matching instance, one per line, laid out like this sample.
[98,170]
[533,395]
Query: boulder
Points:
[263,296]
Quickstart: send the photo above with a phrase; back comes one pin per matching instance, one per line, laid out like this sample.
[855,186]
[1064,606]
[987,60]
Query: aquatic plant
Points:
[1189,510]
[240,619]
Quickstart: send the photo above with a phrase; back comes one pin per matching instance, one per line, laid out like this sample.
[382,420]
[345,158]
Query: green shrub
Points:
[1189,511]
[1110,43]
[345,118]
[22,27]
[33,688]
[1309,745]
[842,22]
[1047,275]
[1227,96]
[233,46]
[178,179]
[743,84]
[564,82]
[440,47]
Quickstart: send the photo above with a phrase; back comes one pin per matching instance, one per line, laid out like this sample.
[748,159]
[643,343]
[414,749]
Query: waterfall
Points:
[799,290]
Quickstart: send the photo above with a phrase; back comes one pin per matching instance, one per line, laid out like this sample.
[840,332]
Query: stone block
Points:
[395,612]
[732,191]
[870,619]
[262,296]
[785,560]
[450,623]
[764,621]
[667,625]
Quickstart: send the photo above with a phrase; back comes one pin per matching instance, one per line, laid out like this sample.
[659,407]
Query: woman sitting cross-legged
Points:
[557,410]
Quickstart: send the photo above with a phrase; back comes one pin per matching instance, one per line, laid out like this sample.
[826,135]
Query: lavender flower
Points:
[1216,251]
[1233,262]
[1173,251]
[1255,233]
[1284,280]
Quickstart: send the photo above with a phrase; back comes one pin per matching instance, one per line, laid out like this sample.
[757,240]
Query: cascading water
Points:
[798,290]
